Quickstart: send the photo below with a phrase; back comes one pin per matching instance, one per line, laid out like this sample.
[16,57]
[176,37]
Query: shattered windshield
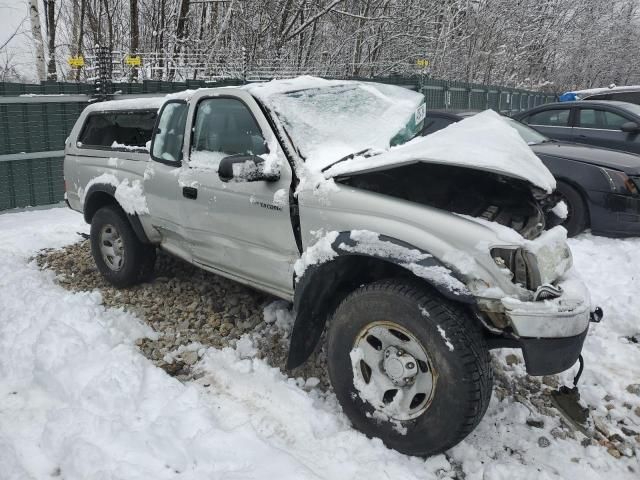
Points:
[328,122]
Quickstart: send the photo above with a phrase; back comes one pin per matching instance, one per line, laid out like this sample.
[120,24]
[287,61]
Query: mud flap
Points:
[567,401]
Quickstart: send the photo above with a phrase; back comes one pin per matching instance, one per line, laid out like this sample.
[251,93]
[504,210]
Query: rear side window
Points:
[601,119]
[550,118]
[123,131]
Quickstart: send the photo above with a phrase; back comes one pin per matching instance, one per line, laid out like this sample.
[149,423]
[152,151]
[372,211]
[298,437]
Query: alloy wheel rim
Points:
[392,371]
[111,247]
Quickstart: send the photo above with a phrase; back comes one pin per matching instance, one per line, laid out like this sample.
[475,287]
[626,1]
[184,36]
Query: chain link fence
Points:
[35,120]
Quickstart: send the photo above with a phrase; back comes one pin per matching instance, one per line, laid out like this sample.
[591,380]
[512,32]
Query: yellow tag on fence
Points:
[76,62]
[134,61]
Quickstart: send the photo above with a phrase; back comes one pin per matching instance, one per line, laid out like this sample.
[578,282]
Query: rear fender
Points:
[103,194]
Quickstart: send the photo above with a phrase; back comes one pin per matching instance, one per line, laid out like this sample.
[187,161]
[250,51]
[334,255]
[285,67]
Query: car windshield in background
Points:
[327,123]
[528,134]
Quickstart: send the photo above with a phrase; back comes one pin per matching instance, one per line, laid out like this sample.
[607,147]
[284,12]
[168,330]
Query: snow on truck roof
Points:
[142,103]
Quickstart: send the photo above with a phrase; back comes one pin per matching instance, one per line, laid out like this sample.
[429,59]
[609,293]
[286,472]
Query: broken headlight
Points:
[522,265]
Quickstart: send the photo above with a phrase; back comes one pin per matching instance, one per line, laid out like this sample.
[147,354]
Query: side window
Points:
[592,118]
[550,118]
[587,118]
[169,138]
[118,130]
[224,127]
[433,124]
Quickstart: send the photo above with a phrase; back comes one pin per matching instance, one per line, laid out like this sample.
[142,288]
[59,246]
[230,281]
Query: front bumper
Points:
[565,316]
[549,332]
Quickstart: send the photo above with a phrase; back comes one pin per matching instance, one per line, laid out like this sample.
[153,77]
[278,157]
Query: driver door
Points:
[241,228]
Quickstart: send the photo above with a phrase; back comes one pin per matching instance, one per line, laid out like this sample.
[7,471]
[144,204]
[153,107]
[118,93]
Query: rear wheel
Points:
[577,212]
[121,258]
[409,366]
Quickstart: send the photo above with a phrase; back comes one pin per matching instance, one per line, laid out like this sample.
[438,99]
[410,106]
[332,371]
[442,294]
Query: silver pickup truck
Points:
[418,254]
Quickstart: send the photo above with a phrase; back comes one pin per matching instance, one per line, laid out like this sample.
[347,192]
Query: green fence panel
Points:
[6,186]
[31,182]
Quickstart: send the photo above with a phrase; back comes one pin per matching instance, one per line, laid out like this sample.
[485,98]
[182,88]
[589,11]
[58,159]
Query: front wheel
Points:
[409,366]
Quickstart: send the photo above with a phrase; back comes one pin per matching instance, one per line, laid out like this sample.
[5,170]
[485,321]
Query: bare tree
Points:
[555,44]
[50,22]
[135,33]
[36,33]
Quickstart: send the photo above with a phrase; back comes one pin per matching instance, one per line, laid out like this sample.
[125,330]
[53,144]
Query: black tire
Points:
[576,220]
[138,259]
[463,379]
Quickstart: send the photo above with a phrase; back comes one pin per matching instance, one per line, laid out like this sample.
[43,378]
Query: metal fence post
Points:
[244,65]
[104,80]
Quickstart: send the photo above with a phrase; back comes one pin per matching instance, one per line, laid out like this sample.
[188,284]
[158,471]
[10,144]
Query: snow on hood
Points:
[484,141]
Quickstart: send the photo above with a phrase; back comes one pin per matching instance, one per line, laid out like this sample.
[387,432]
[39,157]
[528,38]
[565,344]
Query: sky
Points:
[13,13]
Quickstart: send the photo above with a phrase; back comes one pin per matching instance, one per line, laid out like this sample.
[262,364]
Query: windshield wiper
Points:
[348,157]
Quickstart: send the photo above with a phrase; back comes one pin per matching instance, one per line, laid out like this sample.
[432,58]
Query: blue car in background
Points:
[629,94]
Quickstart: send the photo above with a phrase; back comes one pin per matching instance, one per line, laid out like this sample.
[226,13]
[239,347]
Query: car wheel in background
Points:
[121,258]
[409,366]
[577,212]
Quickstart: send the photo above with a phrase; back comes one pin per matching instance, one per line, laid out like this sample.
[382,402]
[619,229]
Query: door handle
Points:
[190,192]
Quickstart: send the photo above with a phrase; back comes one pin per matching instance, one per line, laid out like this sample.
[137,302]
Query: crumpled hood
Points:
[483,142]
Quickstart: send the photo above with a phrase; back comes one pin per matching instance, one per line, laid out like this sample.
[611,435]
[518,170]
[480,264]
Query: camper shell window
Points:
[120,131]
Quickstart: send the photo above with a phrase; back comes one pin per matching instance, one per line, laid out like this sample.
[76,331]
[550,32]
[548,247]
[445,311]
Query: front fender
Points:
[357,258]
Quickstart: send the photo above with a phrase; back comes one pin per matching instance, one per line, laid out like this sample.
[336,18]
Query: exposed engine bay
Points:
[508,201]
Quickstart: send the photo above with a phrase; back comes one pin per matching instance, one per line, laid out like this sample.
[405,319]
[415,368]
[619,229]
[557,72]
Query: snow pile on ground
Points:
[79,401]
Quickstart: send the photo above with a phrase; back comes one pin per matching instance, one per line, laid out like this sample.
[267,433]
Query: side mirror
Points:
[630,127]
[244,168]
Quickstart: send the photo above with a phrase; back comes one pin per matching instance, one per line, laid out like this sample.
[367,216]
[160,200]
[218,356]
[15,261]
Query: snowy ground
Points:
[78,400]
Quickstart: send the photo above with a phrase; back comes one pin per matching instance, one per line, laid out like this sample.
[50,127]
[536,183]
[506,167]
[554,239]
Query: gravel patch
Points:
[190,309]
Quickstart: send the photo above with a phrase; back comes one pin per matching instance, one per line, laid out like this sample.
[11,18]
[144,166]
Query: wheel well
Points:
[582,194]
[320,292]
[95,202]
